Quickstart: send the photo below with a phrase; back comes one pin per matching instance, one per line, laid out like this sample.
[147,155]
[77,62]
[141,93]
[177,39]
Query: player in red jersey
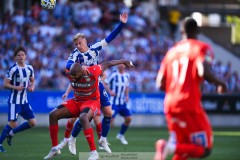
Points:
[85,104]
[182,71]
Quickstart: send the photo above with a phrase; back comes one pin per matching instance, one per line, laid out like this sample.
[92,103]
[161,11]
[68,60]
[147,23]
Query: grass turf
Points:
[34,144]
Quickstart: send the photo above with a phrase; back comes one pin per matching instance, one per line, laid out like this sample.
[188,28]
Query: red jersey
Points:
[182,68]
[86,88]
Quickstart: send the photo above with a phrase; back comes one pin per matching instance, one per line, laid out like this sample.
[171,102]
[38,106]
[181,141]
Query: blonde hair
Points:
[78,35]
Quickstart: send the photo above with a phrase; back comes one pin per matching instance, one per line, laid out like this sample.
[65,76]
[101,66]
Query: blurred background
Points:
[152,28]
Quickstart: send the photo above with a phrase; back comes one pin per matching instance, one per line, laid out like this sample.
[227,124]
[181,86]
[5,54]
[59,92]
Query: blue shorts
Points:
[121,109]
[104,97]
[24,110]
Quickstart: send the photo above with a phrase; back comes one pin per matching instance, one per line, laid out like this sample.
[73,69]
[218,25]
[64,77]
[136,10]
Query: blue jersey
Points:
[118,83]
[19,76]
[88,58]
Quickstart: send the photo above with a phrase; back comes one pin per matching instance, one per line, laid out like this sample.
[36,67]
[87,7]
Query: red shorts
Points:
[190,128]
[76,107]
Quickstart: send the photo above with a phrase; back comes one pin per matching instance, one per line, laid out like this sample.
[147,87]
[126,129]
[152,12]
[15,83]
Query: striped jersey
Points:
[19,76]
[118,83]
[87,58]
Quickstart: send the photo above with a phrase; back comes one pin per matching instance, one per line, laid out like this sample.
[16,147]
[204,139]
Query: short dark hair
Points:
[19,48]
[190,26]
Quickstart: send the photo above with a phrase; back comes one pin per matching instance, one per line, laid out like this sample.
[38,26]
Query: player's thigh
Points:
[71,106]
[90,107]
[27,112]
[200,130]
[13,111]
[124,111]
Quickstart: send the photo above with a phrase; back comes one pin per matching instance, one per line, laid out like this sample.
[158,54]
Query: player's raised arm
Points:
[108,64]
[123,19]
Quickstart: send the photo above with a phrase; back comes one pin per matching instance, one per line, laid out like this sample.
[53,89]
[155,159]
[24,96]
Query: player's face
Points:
[81,44]
[20,57]
[75,76]
[121,67]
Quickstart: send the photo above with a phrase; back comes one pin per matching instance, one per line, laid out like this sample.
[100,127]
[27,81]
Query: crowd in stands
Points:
[47,36]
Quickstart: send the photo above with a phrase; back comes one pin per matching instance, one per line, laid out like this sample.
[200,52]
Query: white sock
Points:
[72,138]
[171,147]
[103,138]
[65,139]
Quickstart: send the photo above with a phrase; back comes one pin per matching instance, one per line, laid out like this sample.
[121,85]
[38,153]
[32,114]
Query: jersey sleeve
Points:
[99,45]
[73,57]
[10,72]
[114,33]
[207,54]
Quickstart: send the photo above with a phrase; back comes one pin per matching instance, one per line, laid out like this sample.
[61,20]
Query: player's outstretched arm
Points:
[108,64]
[117,30]
[212,78]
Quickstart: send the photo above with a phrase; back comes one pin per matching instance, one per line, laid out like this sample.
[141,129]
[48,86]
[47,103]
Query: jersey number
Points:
[179,68]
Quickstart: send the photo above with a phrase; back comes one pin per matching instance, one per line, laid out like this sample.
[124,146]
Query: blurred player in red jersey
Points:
[182,71]
[85,104]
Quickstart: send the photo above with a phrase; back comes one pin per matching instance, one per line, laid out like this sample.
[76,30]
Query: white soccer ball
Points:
[48,4]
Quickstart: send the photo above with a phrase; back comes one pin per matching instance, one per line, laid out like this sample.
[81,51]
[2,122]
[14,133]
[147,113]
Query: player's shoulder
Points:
[13,67]
[29,66]
[199,43]
[126,74]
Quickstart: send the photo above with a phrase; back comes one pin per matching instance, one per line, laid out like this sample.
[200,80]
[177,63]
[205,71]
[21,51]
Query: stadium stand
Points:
[47,36]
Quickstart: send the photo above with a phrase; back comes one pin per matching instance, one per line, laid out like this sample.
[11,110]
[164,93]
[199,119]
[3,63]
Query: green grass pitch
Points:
[34,144]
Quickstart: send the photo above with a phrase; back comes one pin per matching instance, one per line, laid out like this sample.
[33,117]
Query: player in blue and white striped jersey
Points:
[118,82]
[87,55]
[19,78]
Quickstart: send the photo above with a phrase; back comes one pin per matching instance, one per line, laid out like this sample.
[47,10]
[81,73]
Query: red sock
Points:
[192,150]
[99,130]
[68,129]
[53,129]
[90,138]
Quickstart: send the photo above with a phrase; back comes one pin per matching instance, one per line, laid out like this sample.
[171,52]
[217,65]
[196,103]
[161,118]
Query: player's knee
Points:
[84,119]
[72,120]
[207,153]
[13,124]
[32,123]
[107,111]
[52,115]
[128,120]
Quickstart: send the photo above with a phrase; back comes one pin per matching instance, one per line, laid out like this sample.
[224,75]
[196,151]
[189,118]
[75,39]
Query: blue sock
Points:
[106,126]
[5,132]
[77,129]
[123,129]
[22,127]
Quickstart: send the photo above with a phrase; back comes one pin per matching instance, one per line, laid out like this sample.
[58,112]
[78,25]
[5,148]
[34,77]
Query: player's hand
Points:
[64,96]
[112,93]
[127,98]
[222,88]
[128,63]
[124,17]
[30,89]
[19,88]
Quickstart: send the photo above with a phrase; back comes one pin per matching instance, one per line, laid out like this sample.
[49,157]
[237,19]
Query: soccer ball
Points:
[48,4]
